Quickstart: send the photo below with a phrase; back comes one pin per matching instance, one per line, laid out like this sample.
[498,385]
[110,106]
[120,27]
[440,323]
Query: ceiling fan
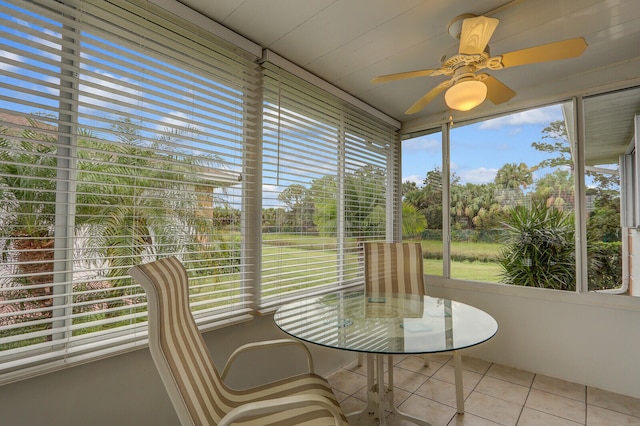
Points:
[466,89]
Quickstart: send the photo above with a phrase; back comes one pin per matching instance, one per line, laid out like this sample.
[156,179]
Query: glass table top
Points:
[386,323]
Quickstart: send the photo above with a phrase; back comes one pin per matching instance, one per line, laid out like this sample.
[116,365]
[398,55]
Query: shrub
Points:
[540,248]
[605,266]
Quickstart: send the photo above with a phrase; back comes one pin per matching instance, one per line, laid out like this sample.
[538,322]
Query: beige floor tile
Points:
[597,416]
[513,375]
[441,358]
[614,401]
[399,395]
[560,387]
[495,409]
[473,364]
[346,381]
[399,358]
[447,374]
[407,380]
[495,398]
[363,421]
[531,417]
[416,363]
[354,367]
[361,394]
[502,389]
[470,420]
[362,369]
[556,405]
[340,396]
[351,405]
[435,413]
[442,392]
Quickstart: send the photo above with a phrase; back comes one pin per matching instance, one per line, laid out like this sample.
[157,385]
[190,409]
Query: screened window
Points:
[422,182]
[122,136]
[327,170]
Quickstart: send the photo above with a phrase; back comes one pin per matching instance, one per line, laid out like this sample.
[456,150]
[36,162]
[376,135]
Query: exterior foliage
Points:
[540,249]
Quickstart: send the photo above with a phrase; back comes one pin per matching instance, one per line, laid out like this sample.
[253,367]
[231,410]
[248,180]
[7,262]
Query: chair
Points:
[393,268]
[196,389]
[399,268]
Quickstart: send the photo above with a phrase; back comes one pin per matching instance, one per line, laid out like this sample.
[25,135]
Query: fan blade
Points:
[475,34]
[497,92]
[402,75]
[423,101]
[571,48]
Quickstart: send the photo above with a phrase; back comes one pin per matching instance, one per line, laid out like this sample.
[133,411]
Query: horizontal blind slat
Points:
[146,139]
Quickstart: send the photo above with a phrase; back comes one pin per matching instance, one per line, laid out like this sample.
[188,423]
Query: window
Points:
[422,197]
[327,187]
[511,178]
[128,134]
[514,211]
[115,148]
[611,179]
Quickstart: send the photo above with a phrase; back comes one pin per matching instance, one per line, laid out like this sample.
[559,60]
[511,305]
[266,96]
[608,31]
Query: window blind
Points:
[326,167]
[122,135]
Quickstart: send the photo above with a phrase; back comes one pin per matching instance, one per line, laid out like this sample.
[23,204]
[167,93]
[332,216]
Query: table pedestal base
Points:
[380,395]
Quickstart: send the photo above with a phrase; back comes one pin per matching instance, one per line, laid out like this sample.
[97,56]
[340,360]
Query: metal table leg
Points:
[380,395]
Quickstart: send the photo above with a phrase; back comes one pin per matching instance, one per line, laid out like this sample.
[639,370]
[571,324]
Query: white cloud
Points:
[176,119]
[8,56]
[413,178]
[477,176]
[423,143]
[535,116]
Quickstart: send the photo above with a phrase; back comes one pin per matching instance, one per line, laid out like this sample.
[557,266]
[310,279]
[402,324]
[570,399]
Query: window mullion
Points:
[341,229]
[66,189]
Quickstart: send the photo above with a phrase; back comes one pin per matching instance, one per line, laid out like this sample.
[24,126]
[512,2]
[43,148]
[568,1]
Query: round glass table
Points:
[385,324]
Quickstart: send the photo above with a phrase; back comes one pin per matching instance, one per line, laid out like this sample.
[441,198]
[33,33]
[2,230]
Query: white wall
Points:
[634,261]
[592,339]
[126,389]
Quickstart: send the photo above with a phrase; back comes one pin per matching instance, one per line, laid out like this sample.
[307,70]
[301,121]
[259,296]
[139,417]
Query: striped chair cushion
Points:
[187,370]
[394,268]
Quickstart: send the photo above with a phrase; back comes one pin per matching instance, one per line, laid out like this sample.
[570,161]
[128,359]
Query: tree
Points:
[556,189]
[428,199]
[27,212]
[604,221]
[364,203]
[475,206]
[139,198]
[413,223]
[554,141]
[409,187]
[325,215]
[299,208]
[514,176]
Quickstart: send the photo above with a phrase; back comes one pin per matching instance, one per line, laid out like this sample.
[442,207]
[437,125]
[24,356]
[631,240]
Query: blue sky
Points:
[479,150]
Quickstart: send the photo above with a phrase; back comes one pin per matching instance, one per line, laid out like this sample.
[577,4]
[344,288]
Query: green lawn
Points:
[464,265]
[476,271]
[287,261]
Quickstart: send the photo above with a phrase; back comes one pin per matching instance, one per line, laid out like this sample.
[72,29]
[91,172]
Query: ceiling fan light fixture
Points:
[465,95]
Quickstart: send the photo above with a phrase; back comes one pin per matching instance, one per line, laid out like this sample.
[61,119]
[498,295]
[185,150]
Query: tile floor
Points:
[494,395]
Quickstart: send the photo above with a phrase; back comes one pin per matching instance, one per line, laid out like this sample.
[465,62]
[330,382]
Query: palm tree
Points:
[140,200]
[27,195]
[413,221]
[514,176]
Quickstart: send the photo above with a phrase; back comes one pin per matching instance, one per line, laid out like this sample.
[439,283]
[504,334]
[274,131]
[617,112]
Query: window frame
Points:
[350,113]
